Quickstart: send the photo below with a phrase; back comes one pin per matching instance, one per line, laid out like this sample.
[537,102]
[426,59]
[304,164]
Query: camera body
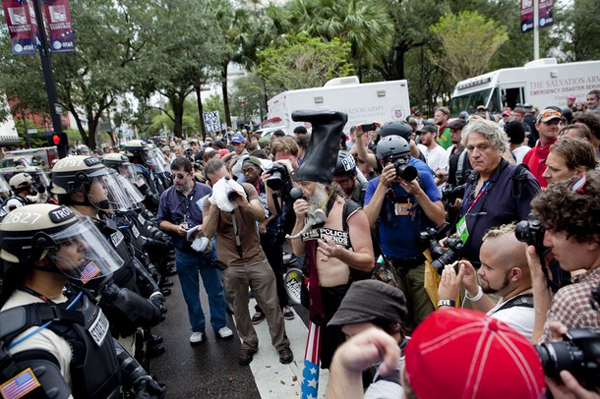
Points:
[579,353]
[451,193]
[531,232]
[279,176]
[455,247]
[430,238]
[404,170]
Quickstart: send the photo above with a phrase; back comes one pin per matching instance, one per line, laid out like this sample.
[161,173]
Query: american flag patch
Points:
[89,272]
[20,385]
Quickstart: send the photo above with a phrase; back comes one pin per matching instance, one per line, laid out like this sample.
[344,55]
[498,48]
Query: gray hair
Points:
[488,129]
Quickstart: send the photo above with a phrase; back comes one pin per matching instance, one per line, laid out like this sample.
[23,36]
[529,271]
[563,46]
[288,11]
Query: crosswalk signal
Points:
[61,141]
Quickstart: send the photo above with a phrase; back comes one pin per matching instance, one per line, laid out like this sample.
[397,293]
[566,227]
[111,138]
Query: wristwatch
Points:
[446,302]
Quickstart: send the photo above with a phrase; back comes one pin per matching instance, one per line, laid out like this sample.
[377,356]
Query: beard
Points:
[318,199]
[184,187]
[490,290]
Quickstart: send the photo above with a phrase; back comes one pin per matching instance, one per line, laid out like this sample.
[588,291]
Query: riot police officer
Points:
[54,340]
[22,188]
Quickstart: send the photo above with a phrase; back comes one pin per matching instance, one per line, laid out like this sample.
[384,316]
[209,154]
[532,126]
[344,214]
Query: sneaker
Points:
[286,355]
[225,333]
[288,313]
[258,317]
[196,338]
[246,356]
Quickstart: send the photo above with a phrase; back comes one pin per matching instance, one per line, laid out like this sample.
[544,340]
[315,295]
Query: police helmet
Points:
[392,147]
[396,129]
[345,164]
[20,181]
[73,245]
[72,174]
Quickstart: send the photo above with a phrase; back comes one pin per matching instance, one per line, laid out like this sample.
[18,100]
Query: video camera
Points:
[430,238]
[579,353]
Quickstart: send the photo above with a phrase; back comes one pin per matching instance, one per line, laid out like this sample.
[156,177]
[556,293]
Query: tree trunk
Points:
[177,100]
[197,87]
[399,63]
[225,93]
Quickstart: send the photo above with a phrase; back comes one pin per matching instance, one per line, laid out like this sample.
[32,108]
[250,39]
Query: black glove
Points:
[146,387]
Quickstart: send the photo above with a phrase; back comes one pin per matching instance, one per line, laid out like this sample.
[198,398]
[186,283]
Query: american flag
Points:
[312,356]
[20,385]
[89,272]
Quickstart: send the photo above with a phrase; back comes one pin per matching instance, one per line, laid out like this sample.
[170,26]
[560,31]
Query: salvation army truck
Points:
[540,83]
[362,102]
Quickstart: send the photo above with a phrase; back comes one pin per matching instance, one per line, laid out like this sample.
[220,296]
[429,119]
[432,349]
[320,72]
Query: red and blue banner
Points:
[22,26]
[59,26]
[545,14]
[546,17]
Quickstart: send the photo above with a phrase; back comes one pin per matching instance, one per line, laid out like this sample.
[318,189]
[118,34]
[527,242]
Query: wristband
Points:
[477,296]
[446,302]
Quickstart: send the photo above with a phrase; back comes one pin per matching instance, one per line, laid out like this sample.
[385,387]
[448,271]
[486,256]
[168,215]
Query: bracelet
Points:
[477,297]
[446,302]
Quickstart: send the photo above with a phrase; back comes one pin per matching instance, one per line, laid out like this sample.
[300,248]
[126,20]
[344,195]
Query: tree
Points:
[248,98]
[469,41]
[302,61]
[581,31]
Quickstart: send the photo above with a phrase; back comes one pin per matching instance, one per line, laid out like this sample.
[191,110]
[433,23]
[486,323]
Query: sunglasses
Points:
[579,185]
[179,175]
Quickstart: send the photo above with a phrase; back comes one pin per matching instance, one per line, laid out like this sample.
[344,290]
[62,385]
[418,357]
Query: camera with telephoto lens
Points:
[578,353]
[279,176]
[451,193]
[455,247]
[531,232]
[404,170]
[430,238]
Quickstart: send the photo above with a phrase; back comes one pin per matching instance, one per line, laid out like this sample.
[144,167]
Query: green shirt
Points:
[444,139]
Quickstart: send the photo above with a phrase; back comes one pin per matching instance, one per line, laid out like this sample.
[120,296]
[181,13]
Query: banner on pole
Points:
[212,122]
[546,13]
[526,15]
[58,22]
[22,26]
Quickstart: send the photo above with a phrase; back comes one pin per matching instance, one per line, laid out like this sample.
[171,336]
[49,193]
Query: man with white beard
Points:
[338,249]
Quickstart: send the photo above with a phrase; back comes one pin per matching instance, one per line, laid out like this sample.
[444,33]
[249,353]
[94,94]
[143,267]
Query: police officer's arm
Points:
[362,257]
[373,208]
[434,210]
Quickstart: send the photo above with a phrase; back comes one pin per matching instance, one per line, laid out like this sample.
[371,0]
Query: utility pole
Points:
[53,105]
[536,29]
[26,130]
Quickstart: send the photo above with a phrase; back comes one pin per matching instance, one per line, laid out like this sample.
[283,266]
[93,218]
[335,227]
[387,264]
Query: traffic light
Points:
[61,141]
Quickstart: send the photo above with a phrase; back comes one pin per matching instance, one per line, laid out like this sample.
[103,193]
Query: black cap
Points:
[457,124]
[321,155]
[300,129]
[397,129]
[367,300]
[427,128]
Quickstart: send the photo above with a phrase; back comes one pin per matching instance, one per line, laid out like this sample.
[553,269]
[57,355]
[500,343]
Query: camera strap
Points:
[238,241]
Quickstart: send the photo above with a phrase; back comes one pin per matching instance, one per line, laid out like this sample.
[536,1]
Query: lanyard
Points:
[35,294]
[483,189]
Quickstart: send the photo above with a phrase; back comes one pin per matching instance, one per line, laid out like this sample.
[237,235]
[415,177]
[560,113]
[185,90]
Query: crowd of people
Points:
[440,258]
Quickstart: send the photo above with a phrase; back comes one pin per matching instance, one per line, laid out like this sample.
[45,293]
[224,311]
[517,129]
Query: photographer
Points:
[238,246]
[504,272]
[497,193]
[405,207]
[570,213]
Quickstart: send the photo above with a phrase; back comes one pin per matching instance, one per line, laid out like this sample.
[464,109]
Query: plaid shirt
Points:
[572,307]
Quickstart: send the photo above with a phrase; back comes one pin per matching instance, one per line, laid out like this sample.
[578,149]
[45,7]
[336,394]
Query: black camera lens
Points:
[557,356]
[233,195]
[275,181]
[405,171]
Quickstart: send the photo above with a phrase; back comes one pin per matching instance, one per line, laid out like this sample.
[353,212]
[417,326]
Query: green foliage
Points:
[301,61]
[215,103]
[469,40]
[248,98]
[581,30]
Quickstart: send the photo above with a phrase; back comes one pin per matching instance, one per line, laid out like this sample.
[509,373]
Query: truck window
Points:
[511,97]
[494,105]
[469,102]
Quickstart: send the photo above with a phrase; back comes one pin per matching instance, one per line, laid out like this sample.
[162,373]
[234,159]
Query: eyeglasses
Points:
[579,185]
[343,182]
[179,175]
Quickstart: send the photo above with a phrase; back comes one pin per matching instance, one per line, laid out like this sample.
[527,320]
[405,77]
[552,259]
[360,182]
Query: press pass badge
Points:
[461,230]
[402,208]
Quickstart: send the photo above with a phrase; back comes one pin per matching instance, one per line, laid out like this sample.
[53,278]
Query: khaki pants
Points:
[418,304]
[260,277]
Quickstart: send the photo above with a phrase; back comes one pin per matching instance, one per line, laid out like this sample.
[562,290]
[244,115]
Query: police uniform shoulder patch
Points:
[20,385]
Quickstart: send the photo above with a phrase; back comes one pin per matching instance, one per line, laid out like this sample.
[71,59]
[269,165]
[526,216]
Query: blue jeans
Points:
[188,265]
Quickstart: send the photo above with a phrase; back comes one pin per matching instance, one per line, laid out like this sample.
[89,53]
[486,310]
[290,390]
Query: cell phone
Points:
[371,127]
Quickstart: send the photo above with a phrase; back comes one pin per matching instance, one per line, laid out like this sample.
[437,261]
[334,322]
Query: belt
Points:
[404,265]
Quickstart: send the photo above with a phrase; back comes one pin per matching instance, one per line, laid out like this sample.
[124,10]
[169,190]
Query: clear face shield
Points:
[152,160]
[134,195]
[4,187]
[83,253]
[105,192]
[126,170]
[41,178]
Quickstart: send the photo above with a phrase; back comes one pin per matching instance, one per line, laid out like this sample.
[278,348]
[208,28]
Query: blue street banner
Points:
[22,26]
[59,26]
[546,17]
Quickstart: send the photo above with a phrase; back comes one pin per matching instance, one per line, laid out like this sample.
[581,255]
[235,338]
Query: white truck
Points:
[363,102]
[540,83]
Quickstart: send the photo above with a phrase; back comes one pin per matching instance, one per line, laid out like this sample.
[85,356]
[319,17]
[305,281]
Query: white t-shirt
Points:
[520,153]
[45,340]
[437,158]
[519,318]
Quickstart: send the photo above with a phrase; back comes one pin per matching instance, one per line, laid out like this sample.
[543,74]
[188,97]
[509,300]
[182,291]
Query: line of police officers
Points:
[84,277]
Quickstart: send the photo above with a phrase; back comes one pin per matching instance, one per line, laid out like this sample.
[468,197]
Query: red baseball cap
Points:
[459,353]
